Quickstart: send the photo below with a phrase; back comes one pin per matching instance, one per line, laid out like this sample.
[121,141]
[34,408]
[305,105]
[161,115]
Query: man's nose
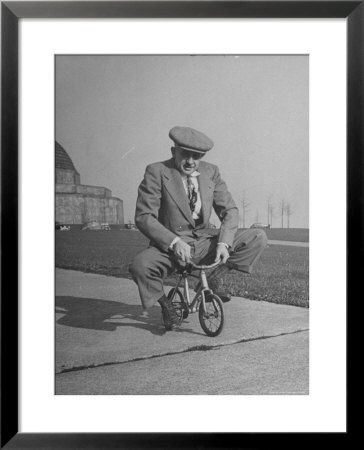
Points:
[190,160]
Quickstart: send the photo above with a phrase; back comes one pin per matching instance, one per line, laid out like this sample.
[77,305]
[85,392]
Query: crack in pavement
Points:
[197,348]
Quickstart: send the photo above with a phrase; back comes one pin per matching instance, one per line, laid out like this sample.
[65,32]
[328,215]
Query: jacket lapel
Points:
[174,185]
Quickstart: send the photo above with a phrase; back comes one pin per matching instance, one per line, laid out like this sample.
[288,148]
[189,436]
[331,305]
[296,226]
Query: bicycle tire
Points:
[216,313]
[178,302]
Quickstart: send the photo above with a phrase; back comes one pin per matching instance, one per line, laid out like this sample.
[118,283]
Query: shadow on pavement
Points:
[108,315]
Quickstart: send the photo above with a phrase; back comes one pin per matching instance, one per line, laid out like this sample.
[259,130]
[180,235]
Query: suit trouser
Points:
[151,266]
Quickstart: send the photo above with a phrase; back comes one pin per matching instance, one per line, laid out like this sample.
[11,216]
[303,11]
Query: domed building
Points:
[77,203]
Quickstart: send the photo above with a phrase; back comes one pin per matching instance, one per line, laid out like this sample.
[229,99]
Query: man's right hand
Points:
[182,251]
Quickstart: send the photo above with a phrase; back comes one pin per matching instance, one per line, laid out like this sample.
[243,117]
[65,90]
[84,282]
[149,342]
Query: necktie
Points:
[192,194]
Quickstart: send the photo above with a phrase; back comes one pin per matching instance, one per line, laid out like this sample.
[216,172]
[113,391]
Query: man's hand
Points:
[222,253]
[182,250]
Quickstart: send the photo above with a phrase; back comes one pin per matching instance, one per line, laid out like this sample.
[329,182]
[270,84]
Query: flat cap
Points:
[190,139]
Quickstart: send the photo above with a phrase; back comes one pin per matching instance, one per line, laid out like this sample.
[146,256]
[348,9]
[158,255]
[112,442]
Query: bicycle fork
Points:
[201,290]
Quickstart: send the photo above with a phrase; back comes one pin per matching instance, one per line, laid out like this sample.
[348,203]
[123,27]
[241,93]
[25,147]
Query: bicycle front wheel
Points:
[212,317]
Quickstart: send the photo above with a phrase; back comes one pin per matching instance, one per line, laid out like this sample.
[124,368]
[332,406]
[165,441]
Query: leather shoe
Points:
[224,297]
[170,318]
[216,284]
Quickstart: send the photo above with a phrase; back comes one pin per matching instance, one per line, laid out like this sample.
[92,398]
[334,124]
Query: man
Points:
[174,205]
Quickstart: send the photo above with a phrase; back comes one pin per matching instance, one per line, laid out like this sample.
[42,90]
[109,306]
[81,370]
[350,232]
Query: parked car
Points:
[130,226]
[259,225]
[105,227]
[61,227]
[92,225]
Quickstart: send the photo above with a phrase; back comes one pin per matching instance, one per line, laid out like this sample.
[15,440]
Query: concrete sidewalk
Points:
[289,243]
[99,326]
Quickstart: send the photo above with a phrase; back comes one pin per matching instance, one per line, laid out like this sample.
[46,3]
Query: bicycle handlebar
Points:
[204,267]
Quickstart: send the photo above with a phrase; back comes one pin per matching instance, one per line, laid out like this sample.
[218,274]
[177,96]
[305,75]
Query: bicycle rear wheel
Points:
[178,302]
[212,321]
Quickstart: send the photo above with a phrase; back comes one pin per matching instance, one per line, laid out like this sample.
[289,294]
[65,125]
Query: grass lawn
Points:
[288,234]
[281,275]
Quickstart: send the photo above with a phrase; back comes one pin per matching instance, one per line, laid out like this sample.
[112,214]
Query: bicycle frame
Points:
[211,321]
[193,304]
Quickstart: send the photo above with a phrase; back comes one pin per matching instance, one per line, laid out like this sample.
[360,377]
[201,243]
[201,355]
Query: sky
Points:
[114,112]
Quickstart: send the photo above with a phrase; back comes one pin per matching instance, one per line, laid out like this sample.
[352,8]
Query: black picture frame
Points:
[11,13]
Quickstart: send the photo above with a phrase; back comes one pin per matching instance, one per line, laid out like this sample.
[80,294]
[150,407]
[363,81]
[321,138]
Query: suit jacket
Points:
[162,209]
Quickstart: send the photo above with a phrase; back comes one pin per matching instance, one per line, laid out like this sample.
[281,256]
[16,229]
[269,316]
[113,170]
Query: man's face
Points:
[186,161]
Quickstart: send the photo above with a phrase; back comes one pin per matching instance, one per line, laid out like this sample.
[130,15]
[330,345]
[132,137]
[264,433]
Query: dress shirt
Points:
[197,211]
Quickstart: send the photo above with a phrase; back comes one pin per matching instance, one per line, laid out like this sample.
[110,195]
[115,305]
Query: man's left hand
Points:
[222,253]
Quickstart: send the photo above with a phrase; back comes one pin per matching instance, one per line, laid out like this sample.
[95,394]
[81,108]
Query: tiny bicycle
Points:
[209,305]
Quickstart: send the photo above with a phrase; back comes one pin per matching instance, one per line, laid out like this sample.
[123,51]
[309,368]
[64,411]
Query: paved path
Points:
[276,366]
[105,345]
[291,243]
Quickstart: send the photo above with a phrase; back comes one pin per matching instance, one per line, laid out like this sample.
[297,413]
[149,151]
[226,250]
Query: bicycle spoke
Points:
[212,316]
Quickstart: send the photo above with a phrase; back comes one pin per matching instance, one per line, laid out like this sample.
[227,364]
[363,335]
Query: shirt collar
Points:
[193,174]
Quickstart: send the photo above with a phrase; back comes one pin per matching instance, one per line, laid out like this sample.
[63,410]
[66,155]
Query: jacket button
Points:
[179,227]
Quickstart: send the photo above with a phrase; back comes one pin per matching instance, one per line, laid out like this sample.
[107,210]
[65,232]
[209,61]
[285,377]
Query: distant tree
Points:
[271,213]
[270,210]
[282,210]
[244,207]
[288,211]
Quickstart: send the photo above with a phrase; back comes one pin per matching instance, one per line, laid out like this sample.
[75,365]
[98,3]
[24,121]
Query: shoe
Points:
[170,318]
[216,286]
[224,298]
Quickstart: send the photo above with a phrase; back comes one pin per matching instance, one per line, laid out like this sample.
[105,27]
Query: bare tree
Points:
[288,211]
[271,214]
[270,209]
[244,207]
[282,208]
